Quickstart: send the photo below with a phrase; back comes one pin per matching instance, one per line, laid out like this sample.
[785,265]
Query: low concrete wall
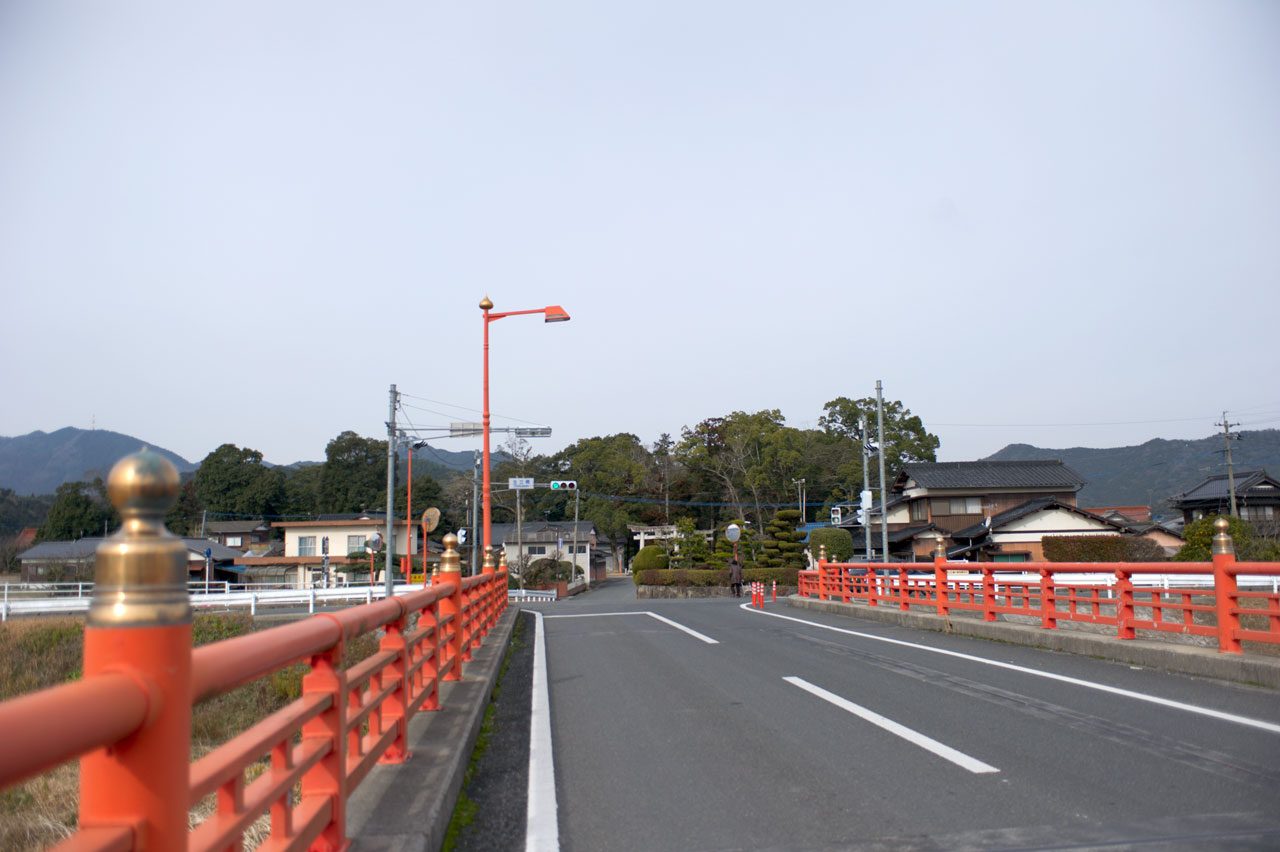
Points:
[1150,652]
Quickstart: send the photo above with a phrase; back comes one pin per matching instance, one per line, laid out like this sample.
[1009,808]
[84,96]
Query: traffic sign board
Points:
[520,483]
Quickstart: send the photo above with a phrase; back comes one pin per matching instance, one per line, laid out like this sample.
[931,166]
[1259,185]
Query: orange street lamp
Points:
[551,313]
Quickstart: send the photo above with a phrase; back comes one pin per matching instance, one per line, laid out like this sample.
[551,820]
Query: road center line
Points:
[1088,684]
[542,824]
[929,744]
[695,634]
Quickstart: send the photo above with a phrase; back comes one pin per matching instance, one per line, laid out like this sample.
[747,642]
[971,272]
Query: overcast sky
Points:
[242,221]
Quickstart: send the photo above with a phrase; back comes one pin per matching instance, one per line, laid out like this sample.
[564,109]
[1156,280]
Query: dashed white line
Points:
[1074,681]
[914,737]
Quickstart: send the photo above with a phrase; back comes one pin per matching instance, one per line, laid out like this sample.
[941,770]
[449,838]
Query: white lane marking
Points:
[945,752]
[1088,684]
[542,826]
[695,634]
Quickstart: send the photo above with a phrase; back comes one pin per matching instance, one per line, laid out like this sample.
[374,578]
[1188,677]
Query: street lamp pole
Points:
[551,313]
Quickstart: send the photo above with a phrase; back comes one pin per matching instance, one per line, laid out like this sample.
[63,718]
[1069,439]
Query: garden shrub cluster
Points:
[1101,548]
[838,541]
[709,577]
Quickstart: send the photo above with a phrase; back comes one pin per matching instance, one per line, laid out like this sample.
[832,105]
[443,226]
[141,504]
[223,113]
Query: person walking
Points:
[735,578]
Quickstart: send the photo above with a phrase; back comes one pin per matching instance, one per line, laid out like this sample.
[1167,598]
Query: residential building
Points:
[556,539]
[71,561]
[240,535]
[1017,534]
[311,547]
[1257,498]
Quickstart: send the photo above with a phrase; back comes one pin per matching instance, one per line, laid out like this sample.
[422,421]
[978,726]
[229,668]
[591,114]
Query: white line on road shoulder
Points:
[945,752]
[1075,681]
[695,634]
[542,826]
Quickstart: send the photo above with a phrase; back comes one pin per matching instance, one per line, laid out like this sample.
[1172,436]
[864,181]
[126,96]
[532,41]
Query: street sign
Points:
[520,483]
[208,551]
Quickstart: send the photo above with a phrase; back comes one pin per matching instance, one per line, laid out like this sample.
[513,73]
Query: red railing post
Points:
[327,780]
[822,573]
[139,624]
[395,708]
[451,609]
[1124,607]
[1225,589]
[988,593]
[940,577]
[903,597]
[1048,603]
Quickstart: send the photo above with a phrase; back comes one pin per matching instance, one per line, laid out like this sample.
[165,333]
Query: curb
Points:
[407,807]
[1149,653]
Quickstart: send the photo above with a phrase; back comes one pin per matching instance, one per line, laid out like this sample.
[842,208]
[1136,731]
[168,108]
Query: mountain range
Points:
[1149,474]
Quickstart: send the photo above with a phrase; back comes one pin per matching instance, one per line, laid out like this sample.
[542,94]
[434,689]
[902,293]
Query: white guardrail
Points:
[73,598]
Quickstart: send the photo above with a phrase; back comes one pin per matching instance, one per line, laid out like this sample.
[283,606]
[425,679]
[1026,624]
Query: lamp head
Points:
[555,313]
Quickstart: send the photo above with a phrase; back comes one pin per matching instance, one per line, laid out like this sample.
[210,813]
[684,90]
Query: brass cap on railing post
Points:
[502,560]
[487,566]
[140,574]
[940,549]
[822,553]
[450,561]
[1222,542]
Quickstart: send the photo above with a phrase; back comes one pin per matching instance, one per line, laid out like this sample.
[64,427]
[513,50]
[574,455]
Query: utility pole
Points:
[884,513]
[866,484]
[800,497]
[586,572]
[519,543]
[1231,473]
[475,517]
[391,490]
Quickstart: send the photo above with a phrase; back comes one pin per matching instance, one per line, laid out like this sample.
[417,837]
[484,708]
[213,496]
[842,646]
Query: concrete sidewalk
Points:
[407,807]
[1150,653]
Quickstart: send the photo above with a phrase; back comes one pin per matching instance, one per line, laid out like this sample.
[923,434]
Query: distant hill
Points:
[1151,474]
[41,461]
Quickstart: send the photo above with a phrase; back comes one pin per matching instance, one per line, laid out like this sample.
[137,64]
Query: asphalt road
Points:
[784,735]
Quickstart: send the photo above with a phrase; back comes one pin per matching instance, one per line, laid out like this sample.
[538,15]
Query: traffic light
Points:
[835,516]
[862,517]
[462,535]
[564,485]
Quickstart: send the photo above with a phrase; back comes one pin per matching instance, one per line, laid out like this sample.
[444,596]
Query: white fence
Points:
[73,598]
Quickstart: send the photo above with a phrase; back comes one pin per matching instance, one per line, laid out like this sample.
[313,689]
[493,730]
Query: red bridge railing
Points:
[1220,608]
[129,718]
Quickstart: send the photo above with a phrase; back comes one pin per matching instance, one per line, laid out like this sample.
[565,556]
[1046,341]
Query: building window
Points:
[306,545]
[233,541]
[966,505]
[354,543]
[580,548]
[1256,513]
[1010,557]
[537,549]
[919,510]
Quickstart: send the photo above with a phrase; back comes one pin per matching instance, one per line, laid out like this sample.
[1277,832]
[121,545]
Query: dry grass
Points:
[40,653]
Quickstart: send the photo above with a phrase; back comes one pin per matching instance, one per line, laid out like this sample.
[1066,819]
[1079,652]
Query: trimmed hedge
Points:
[1101,548]
[839,543]
[713,577]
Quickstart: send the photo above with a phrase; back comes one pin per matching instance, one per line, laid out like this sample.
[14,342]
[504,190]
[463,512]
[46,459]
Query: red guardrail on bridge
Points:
[129,717]
[1053,598]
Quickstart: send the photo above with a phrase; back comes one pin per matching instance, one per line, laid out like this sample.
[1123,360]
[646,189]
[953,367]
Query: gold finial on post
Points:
[450,561]
[502,560]
[822,553]
[487,566]
[1222,542]
[940,549]
[140,572]
[485,304]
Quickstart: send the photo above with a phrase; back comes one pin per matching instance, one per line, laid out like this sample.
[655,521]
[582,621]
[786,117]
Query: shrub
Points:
[1198,536]
[707,577]
[652,557]
[838,541]
[1101,548]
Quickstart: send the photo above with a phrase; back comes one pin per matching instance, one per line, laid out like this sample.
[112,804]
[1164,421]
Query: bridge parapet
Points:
[1230,601]
[142,678]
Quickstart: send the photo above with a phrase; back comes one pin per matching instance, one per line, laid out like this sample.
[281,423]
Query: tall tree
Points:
[905,438]
[354,475]
[235,481]
[79,510]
